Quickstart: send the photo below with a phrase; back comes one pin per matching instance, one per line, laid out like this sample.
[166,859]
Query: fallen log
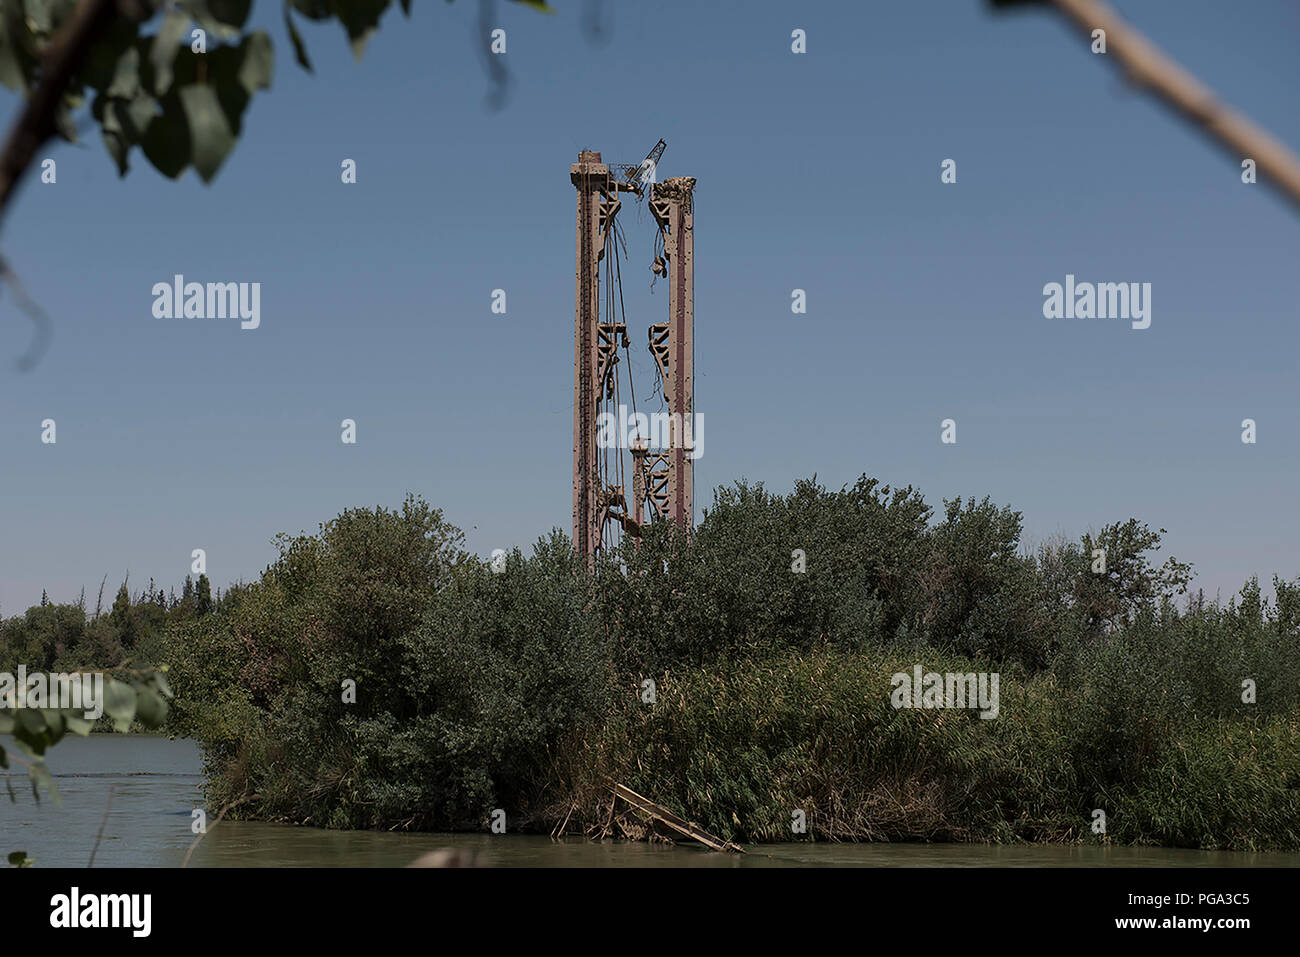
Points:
[660,813]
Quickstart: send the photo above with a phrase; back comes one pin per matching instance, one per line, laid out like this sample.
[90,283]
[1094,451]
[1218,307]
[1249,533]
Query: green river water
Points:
[156,785]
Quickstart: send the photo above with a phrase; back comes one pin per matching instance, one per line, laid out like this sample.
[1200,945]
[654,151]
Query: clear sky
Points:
[818,171]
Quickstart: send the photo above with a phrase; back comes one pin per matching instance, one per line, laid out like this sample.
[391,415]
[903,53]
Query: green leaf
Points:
[151,709]
[11,73]
[53,723]
[99,68]
[117,147]
[202,13]
[78,724]
[41,777]
[166,44]
[126,75]
[210,135]
[166,143]
[313,9]
[20,859]
[30,720]
[64,123]
[23,46]
[258,63]
[359,41]
[38,17]
[299,48]
[360,18]
[61,10]
[119,701]
[29,742]
[136,115]
[233,13]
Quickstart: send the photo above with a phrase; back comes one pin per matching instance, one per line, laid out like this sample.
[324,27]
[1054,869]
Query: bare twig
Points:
[36,123]
[100,836]
[41,338]
[1148,67]
[12,756]
[558,830]
[204,832]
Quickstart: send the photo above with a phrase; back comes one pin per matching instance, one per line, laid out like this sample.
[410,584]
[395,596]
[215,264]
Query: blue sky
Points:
[818,171]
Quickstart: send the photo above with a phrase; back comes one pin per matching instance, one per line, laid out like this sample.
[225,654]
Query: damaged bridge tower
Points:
[672,343]
[661,478]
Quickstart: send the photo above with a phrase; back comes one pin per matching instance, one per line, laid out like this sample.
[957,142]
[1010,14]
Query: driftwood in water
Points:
[661,814]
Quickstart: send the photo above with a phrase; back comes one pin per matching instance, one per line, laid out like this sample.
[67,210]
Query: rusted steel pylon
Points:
[661,477]
[673,342]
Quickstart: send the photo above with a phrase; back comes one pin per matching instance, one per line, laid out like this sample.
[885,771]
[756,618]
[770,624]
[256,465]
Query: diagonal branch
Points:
[64,56]
[1148,67]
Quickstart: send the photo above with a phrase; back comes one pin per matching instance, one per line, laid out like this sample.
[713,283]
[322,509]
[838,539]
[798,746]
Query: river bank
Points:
[156,784]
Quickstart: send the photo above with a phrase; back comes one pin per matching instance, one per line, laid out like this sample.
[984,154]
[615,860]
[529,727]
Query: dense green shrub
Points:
[463,677]
[739,746]
[501,667]
[771,632]
[1222,784]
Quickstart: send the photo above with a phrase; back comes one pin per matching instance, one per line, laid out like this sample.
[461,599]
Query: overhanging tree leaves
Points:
[132,695]
[178,94]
